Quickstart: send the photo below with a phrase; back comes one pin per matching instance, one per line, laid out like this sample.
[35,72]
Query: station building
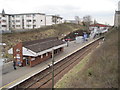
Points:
[99,28]
[31,53]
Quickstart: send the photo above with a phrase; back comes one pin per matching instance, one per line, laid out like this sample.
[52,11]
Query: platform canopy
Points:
[39,47]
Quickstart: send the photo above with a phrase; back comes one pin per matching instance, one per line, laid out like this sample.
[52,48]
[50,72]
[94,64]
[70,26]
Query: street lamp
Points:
[53,69]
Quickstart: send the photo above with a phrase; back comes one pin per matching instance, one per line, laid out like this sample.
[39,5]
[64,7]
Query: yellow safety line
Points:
[16,80]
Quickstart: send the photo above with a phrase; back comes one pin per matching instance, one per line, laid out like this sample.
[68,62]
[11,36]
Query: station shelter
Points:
[31,53]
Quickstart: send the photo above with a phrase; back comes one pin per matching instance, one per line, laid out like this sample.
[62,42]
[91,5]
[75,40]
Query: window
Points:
[32,59]
[4,26]
[17,55]
[12,17]
[3,15]
[13,26]
[17,25]
[17,20]
[54,19]
[13,21]
[28,20]
[34,21]
[28,25]
[17,50]
[3,20]
[34,26]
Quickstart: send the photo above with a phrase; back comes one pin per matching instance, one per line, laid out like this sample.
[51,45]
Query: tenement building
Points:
[27,20]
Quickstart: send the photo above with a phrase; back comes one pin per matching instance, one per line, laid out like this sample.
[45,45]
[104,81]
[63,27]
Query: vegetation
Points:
[65,81]
[100,71]
[58,30]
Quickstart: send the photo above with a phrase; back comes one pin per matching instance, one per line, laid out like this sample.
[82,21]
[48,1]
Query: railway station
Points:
[31,53]
[13,77]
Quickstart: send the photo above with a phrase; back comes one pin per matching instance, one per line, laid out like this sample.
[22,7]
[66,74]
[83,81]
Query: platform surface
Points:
[11,77]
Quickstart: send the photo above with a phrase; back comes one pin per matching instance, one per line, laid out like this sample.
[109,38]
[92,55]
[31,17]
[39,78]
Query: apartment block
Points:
[53,19]
[27,21]
[4,21]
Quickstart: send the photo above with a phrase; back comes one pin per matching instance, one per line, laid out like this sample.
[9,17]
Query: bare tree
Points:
[77,19]
[87,20]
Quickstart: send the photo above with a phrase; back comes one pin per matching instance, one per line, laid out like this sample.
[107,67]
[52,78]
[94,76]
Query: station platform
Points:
[11,77]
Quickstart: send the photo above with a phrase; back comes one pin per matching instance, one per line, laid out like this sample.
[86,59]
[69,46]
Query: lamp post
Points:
[52,69]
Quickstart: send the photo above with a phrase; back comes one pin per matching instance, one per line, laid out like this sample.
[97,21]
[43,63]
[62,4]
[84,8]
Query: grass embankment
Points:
[100,70]
[65,81]
[49,31]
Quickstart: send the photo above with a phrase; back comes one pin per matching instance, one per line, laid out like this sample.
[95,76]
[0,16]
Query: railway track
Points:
[44,78]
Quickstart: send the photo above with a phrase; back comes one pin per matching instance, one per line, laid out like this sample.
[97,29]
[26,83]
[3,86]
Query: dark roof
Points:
[42,44]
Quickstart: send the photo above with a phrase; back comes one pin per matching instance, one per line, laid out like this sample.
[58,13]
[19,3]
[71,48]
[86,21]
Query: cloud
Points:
[66,8]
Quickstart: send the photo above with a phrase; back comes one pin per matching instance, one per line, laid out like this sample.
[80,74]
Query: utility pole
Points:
[52,69]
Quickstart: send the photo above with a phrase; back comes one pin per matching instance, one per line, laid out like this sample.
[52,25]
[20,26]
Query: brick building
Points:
[31,53]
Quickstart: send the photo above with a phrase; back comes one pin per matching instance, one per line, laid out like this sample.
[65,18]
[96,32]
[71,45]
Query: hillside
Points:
[97,70]
[59,30]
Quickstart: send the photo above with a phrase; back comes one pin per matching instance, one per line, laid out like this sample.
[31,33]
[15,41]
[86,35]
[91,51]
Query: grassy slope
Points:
[65,81]
[44,32]
[101,70]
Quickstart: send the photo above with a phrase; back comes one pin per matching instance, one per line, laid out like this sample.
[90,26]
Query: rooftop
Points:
[42,44]
[55,16]
[25,14]
[100,25]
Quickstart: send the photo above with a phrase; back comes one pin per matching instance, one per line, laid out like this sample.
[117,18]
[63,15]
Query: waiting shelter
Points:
[31,53]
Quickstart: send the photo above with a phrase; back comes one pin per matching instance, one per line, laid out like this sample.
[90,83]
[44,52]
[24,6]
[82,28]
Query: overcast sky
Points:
[101,10]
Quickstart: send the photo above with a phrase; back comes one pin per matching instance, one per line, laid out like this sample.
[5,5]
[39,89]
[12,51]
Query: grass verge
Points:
[64,82]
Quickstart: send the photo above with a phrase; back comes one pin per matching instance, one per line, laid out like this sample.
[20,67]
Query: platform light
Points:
[52,69]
